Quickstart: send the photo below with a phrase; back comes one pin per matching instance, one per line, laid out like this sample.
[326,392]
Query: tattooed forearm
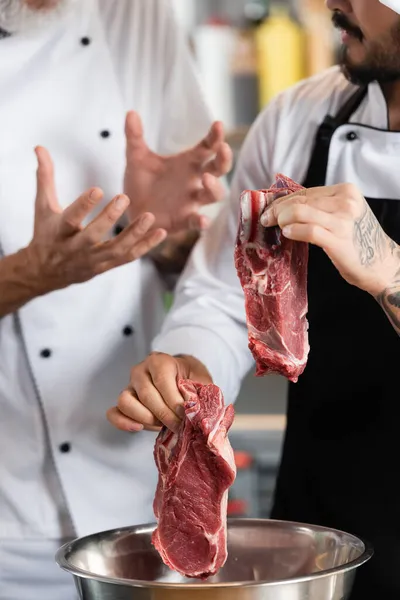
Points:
[389,300]
[369,238]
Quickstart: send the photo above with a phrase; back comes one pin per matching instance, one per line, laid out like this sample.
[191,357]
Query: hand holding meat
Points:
[63,251]
[153,398]
[174,188]
[338,219]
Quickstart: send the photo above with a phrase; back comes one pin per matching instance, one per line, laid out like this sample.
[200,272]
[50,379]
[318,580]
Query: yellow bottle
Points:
[320,36]
[281,53]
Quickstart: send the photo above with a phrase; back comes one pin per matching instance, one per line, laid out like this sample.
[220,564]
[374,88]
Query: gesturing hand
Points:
[338,219]
[63,252]
[174,188]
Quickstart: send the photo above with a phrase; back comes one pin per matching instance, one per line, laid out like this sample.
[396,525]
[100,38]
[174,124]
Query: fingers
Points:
[134,134]
[344,199]
[163,372]
[147,243]
[98,228]
[213,190]
[271,215]
[153,398]
[269,218]
[133,243]
[76,212]
[311,233]
[208,146]
[131,235]
[129,403]
[197,222]
[46,196]
[120,421]
[308,215]
[194,221]
[130,407]
[147,406]
[222,163]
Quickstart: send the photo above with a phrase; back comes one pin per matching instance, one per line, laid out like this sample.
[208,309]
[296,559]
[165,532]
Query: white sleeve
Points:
[186,117]
[207,319]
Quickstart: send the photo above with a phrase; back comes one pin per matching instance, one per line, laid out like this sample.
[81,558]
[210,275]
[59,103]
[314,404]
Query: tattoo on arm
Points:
[389,299]
[369,238]
[373,246]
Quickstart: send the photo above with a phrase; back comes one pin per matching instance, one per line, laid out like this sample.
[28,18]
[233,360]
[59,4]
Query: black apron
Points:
[341,453]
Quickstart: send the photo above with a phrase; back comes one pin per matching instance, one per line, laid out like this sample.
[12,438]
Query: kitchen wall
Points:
[261,395]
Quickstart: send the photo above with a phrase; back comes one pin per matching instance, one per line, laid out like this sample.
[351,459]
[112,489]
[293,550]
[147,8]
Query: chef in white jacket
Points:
[69,73]
[337,134]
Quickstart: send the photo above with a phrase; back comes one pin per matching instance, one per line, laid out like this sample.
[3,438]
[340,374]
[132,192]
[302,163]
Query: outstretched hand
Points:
[63,251]
[174,188]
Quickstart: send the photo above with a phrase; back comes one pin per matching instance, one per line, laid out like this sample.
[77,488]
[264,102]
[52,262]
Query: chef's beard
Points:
[382,61]
[18,17]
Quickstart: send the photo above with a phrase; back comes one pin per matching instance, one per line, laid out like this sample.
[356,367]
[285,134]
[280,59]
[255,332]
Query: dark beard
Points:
[364,74]
[382,62]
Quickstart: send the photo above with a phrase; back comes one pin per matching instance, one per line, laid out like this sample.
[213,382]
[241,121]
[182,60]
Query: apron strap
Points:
[316,174]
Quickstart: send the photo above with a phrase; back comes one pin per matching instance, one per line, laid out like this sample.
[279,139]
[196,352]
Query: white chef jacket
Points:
[207,319]
[65,357]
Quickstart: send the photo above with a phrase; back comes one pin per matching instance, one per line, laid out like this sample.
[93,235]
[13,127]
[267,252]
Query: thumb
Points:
[135,143]
[46,196]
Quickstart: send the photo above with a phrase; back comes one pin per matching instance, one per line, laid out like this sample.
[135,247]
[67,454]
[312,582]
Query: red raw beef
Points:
[196,468]
[273,274]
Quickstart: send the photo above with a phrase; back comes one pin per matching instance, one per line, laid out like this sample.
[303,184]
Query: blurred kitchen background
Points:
[247,52]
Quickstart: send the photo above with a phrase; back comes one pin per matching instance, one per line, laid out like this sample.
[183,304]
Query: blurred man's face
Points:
[26,15]
[371,40]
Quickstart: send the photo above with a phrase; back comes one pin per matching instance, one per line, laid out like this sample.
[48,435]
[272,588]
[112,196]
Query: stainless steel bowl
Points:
[268,560]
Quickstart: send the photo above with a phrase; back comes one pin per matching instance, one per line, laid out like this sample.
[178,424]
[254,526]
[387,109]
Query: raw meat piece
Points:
[273,273]
[196,468]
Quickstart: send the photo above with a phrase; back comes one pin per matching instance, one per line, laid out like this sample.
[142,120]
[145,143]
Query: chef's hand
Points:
[175,187]
[153,398]
[338,219]
[63,251]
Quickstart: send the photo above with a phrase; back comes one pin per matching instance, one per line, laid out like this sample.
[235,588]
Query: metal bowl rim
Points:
[138,583]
